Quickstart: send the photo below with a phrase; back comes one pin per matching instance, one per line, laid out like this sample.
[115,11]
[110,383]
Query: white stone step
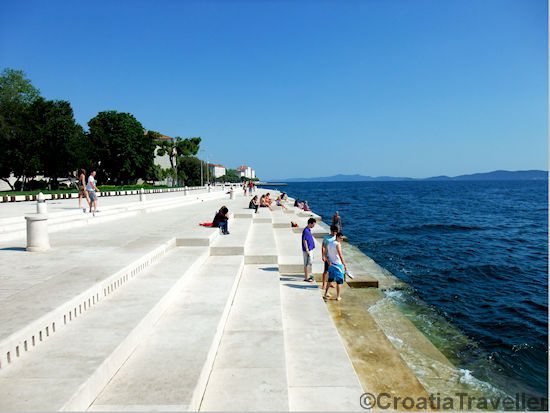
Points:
[40,292]
[263,216]
[233,243]
[260,246]
[169,369]
[59,221]
[282,218]
[53,303]
[290,252]
[249,372]
[69,370]
[320,373]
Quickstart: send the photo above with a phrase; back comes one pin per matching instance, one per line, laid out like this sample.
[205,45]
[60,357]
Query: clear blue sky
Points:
[304,88]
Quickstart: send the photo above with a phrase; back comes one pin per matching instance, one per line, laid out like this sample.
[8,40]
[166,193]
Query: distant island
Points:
[486,176]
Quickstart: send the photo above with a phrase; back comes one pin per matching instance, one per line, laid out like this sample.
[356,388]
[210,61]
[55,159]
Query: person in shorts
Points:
[308,245]
[337,265]
[337,220]
[82,193]
[327,240]
[91,188]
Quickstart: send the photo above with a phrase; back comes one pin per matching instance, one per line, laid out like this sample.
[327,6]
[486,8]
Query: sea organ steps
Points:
[301,393]
[42,293]
[70,369]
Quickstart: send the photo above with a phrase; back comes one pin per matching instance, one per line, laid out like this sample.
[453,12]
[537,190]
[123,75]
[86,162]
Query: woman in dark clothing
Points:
[254,204]
[220,220]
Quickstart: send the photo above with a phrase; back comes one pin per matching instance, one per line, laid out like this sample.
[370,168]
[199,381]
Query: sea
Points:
[474,257]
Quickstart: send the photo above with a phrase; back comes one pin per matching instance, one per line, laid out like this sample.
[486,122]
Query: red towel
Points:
[206,224]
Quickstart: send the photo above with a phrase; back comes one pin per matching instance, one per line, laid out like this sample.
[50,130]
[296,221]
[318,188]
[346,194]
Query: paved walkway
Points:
[146,310]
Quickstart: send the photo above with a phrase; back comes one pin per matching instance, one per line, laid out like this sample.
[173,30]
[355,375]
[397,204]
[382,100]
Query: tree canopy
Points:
[16,146]
[177,149]
[54,132]
[120,149]
[41,137]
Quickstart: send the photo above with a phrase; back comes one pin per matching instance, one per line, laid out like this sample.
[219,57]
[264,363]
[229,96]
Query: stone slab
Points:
[171,365]
[92,350]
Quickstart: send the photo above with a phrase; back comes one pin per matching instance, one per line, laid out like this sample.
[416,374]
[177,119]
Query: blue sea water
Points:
[474,252]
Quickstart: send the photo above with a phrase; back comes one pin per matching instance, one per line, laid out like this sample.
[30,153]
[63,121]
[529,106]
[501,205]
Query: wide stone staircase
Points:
[150,311]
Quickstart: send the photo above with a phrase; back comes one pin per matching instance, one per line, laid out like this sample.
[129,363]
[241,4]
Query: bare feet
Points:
[338,298]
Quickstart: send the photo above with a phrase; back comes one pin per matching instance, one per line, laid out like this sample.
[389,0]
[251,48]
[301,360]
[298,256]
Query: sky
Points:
[403,88]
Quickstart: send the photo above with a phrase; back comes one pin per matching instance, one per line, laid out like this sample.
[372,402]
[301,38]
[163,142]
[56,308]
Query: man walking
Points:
[308,245]
[92,189]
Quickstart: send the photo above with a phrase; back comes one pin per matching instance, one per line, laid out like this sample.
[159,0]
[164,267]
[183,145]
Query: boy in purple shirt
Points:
[308,245]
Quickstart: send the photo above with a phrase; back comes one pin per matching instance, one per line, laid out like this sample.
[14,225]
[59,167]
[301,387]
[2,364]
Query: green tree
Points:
[190,167]
[18,153]
[121,151]
[230,176]
[177,149]
[53,130]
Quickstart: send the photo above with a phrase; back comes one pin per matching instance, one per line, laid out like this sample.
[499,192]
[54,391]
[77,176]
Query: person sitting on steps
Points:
[254,203]
[220,220]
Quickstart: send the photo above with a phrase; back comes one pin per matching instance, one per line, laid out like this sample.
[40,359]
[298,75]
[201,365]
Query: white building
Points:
[216,170]
[246,171]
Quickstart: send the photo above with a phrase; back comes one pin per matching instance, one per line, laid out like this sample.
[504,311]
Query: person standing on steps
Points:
[337,265]
[82,193]
[327,240]
[308,245]
[91,188]
[337,220]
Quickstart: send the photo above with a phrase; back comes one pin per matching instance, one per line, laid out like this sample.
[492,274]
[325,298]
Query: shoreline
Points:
[435,372]
[365,331]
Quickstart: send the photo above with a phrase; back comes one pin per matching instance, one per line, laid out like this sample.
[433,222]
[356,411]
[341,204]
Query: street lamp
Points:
[202,183]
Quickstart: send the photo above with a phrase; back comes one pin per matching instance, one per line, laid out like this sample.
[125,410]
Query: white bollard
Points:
[38,238]
[41,207]
[186,191]
[209,188]
[141,195]
[231,193]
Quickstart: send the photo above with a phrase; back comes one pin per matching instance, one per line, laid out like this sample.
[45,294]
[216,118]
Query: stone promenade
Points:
[139,308]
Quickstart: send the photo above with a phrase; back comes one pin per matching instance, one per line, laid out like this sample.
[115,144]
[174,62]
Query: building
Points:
[246,172]
[162,161]
[216,170]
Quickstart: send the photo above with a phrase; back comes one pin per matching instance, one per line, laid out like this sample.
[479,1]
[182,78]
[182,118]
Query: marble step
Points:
[321,376]
[234,242]
[170,368]
[69,370]
[39,312]
[290,252]
[260,246]
[249,372]
[13,228]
